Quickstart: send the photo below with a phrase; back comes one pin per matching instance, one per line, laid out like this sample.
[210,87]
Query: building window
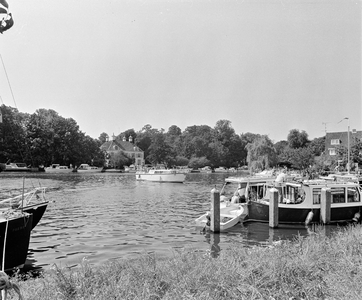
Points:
[332,151]
[335,142]
[115,147]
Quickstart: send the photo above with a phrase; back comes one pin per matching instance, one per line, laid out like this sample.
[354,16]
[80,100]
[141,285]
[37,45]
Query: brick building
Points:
[336,139]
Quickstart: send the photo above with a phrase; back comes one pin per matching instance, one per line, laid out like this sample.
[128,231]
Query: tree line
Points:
[45,137]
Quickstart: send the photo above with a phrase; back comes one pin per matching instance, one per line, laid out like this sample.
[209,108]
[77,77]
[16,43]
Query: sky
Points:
[267,66]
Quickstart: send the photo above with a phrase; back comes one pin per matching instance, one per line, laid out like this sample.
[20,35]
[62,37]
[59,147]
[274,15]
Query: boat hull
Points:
[51,170]
[37,210]
[229,216]
[288,215]
[98,170]
[17,241]
[173,178]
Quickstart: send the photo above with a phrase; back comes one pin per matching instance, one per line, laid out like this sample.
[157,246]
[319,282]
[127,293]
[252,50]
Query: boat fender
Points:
[309,218]
[356,217]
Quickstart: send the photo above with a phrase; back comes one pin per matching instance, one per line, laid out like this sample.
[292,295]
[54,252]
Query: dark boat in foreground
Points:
[32,202]
[15,230]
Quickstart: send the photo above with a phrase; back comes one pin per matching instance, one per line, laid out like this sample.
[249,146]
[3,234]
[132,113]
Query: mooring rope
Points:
[5,283]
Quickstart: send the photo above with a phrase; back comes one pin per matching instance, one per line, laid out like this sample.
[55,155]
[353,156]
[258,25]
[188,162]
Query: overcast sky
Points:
[267,66]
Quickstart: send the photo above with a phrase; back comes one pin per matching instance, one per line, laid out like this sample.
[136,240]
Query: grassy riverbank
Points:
[315,267]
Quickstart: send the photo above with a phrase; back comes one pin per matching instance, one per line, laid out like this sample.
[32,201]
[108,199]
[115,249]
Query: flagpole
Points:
[348,154]
[349,166]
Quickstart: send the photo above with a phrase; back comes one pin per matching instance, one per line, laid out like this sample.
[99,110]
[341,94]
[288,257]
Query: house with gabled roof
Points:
[127,147]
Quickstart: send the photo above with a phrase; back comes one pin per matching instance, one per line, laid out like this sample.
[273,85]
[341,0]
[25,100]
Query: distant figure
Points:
[239,195]
[281,177]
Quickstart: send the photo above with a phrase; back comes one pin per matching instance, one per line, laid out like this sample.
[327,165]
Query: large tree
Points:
[297,139]
[261,153]
[160,151]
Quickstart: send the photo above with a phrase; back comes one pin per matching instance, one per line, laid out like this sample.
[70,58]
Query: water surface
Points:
[105,216]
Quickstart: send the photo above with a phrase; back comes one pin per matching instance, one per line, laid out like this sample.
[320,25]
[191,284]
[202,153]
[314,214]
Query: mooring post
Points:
[273,208]
[326,200]
[215,210]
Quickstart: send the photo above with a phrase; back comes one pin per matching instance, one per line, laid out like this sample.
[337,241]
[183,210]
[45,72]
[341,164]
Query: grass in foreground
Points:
[313,267]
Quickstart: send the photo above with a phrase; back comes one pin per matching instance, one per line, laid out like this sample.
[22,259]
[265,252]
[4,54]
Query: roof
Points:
[120,145]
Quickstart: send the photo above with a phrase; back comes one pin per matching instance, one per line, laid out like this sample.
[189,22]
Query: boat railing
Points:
[26,198]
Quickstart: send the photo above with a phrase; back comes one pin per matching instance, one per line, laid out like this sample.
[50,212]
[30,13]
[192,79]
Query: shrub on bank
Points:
[312,267]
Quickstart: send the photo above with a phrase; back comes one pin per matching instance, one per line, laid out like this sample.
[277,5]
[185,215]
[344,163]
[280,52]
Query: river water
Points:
[105,216]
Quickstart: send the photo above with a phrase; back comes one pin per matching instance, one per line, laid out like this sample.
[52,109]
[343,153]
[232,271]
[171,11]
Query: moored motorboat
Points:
[161,175]
[83,168]
[206,169]
[230,215]
[19,167]
[56,168]
[221,170]
[300,202]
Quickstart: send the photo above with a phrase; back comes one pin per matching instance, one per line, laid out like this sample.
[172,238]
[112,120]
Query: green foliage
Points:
[181,161]
[301,158]
[44,138]
[280,147]
[103,137]
[297,139]
[198,162]
[261,153]
[312,267]
[160,151]
[119,159]
[318,146]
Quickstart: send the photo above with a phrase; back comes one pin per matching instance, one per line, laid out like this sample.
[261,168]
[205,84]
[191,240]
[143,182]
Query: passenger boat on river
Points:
[300,201]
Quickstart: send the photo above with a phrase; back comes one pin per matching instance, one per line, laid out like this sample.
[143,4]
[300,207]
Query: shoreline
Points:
[312,267]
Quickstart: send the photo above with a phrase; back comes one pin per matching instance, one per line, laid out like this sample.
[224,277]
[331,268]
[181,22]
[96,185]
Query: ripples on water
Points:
[104,216]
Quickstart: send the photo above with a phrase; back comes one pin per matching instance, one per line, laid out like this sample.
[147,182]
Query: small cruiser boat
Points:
[56,168]
[161,175]
[230,215]
[83,168]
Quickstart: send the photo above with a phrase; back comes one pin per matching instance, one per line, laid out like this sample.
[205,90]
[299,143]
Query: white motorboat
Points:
[230,215]
[220,170]
[87,168]
[56,168]
[161,175]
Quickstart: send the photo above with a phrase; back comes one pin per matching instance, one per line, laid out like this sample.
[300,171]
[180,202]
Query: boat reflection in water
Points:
[260,234]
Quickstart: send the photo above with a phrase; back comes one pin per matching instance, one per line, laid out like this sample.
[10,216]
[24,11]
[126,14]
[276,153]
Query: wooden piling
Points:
[326,200]
[215,210]
[273,208]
